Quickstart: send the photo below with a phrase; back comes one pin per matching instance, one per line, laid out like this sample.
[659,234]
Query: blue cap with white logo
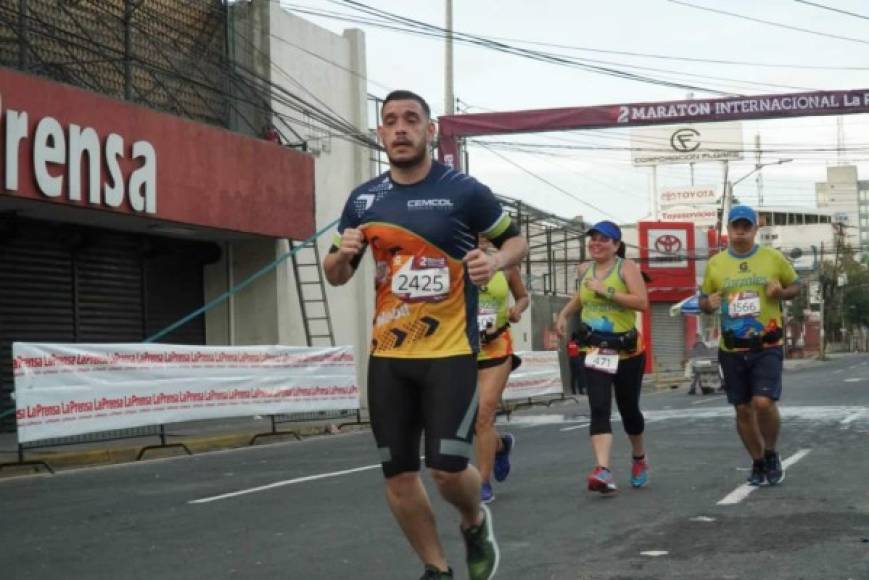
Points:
[607,228]
[742,212]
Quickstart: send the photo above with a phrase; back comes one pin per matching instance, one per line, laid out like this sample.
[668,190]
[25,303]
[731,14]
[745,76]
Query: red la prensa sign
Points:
[68,146]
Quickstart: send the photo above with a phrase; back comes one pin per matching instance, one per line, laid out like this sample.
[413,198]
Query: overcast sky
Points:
[597,183]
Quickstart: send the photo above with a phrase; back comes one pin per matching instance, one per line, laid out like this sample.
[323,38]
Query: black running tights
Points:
[626,383]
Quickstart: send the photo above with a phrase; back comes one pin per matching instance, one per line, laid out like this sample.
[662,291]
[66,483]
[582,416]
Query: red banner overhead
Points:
[74,148]
[652,113]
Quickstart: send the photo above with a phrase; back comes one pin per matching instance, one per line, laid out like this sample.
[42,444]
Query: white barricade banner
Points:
[70,389]
[539,374]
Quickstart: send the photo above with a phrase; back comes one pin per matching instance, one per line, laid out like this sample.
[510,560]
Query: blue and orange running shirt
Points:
[426,305]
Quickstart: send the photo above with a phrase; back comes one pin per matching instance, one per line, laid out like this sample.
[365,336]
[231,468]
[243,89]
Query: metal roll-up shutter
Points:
[109,292]
[36,294]
[174,287]
[668,339]
[69,283]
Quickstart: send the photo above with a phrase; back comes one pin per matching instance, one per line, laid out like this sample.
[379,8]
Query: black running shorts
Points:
[436,396]
[752,374]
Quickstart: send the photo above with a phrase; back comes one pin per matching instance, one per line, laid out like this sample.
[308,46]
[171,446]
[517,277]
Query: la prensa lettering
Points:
[73,147]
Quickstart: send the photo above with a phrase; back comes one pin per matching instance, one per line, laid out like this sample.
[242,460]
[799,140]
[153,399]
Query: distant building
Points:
[848,199]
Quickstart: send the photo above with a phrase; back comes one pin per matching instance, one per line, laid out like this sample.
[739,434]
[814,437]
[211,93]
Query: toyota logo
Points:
[685,140]
[668,244]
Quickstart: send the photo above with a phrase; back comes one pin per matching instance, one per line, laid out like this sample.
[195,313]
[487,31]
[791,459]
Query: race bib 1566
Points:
[744,305]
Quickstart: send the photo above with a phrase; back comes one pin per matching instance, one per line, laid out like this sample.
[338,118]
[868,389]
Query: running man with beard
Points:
[421,220]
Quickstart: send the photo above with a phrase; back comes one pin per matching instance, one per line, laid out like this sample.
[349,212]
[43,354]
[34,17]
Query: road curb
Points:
[125,452]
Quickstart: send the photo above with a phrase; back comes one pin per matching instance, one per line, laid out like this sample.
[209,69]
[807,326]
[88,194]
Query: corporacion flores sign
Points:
[686,143]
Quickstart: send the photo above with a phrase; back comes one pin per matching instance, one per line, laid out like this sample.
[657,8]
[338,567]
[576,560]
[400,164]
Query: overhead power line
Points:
[769,22]
[388,20]
[670,57]
[546,181]
[831,9]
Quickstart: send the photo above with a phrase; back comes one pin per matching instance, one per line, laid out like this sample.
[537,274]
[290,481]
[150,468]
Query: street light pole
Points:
[727,200]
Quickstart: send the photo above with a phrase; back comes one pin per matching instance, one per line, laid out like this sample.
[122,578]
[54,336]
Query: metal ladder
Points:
[312,294]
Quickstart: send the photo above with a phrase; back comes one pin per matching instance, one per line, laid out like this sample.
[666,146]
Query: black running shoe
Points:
[758,473]
[775,473]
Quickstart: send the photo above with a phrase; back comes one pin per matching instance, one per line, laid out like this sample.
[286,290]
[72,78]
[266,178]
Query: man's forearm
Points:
[338,269]
[790,291]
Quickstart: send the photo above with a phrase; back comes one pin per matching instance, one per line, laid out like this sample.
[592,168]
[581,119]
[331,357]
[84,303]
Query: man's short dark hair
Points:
[402,95]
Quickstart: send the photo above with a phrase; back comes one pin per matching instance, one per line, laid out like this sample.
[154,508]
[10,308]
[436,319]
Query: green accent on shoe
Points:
[481,548]
[433,573]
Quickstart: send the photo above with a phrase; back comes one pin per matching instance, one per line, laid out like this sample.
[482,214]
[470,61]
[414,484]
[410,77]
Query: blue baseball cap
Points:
[607,228]
[742,212]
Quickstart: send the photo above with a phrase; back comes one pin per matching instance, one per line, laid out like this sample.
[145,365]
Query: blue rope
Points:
[244,284]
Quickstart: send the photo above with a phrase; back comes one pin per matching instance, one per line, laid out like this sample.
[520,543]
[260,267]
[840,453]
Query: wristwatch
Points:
[610,292]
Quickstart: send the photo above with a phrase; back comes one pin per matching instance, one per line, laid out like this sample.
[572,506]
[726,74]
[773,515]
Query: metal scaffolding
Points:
[163,54]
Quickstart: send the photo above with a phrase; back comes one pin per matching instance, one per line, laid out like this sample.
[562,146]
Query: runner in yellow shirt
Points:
[745,286]
[611,292]
[495,363]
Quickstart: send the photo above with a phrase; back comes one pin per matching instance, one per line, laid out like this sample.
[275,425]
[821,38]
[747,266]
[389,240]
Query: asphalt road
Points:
[315,509]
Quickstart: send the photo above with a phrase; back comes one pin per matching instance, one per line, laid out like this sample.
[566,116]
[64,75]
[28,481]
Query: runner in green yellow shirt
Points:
[745,286]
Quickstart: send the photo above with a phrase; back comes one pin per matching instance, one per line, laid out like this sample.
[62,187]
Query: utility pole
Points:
[759,180]
[840,140]
[823,341]
[449,94]
[726,198]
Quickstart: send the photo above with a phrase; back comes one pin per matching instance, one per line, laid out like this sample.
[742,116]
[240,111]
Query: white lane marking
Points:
[534,420]
[744,490]
[702,519]
[710,400]
[575,427]
[850,418]
[819,413]
[837,371]
[854,380]
[654,553]
[283,483]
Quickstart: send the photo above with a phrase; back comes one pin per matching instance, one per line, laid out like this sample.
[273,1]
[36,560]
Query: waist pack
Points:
[755,342]
[619,341]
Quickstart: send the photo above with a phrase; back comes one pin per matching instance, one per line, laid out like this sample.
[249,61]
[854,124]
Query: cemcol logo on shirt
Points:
[424,204]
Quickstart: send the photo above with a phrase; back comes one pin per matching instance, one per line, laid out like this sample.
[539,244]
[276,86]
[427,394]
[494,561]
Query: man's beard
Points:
[410,162]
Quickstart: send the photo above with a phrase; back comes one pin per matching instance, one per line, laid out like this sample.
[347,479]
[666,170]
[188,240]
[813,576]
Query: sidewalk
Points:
[812,361]
[197,436]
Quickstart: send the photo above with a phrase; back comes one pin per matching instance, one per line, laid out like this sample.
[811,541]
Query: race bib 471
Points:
[602,359]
